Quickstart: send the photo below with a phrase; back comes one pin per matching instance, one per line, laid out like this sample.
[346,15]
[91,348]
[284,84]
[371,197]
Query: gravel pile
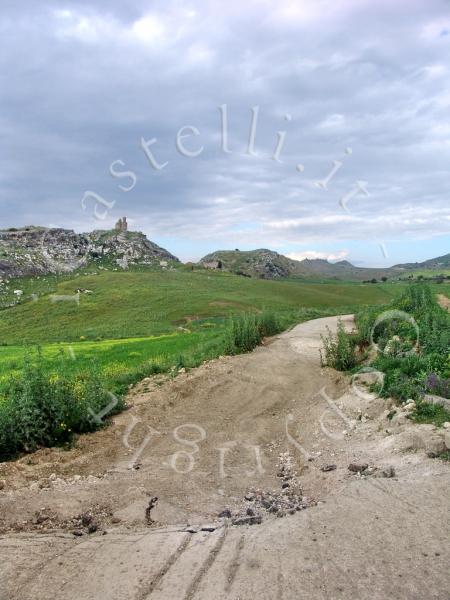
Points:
[286,500]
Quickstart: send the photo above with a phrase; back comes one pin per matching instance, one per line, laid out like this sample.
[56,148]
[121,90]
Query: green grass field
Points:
[145,303]
[425,273]
[117,361]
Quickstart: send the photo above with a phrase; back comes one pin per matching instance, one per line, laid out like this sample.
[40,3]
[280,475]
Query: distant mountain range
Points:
[267,264]
[30,251]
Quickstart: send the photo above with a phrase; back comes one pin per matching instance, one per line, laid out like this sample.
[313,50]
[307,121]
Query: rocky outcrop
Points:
[263,263]
[39,250]
[267,264]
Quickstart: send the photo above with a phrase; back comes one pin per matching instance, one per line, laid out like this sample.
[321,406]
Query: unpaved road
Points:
[230,435]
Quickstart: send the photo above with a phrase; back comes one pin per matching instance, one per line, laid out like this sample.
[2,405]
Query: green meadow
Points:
[147,303]
[118,362]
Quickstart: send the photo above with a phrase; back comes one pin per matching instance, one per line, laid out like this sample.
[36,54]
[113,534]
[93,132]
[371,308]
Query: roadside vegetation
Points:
[408,340]
[48,394]
[63,362]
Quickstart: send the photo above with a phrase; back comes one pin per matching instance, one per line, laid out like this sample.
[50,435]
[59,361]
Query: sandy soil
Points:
[444,301]
[271,434]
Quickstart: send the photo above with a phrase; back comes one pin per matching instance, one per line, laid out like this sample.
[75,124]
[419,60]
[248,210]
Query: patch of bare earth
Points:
[444,301]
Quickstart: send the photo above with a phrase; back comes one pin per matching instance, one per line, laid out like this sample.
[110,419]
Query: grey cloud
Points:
[81,83]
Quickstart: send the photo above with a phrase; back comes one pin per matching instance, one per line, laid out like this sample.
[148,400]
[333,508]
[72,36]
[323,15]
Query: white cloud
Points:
[313,254]
[335,121]
[435,29]
[148,29]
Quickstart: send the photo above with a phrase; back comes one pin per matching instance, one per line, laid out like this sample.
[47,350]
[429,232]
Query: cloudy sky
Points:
[317,128]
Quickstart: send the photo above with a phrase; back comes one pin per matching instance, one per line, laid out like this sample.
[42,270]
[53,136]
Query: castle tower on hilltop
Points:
[121,224]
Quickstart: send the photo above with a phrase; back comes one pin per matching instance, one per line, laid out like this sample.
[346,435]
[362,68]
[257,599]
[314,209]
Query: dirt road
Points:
[263,439]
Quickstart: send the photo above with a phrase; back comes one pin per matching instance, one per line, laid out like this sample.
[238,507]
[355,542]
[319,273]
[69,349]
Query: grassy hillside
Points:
[133,304]
[425,273]
[267,264]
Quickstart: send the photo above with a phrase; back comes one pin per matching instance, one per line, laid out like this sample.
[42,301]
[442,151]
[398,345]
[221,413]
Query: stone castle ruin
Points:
[121,224]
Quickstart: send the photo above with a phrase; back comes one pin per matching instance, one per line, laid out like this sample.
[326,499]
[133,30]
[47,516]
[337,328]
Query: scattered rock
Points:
[254,520]
[287,500]
[86,519]
[225,514]
[388,472]
[41,518]
[370,471]
[327,468]
[77,532]
[357,468]
[2,484]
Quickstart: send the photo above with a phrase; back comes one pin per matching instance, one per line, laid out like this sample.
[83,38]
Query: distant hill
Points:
[441,262]
[267,264]
[39,250]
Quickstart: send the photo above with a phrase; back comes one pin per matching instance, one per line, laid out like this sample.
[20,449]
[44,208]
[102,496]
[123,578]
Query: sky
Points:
[315,128]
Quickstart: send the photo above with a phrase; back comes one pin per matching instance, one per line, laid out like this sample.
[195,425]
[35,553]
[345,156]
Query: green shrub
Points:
[412,366]
[338,350]
[40,407]
[245,332]
[268,324]
[430,413]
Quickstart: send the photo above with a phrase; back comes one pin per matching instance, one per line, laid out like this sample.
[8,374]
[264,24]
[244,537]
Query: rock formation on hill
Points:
[267,264]
[39,250]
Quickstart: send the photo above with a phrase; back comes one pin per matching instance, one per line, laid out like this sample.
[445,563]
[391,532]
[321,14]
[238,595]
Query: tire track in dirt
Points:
[190,593]
[235,563]
[173,558]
